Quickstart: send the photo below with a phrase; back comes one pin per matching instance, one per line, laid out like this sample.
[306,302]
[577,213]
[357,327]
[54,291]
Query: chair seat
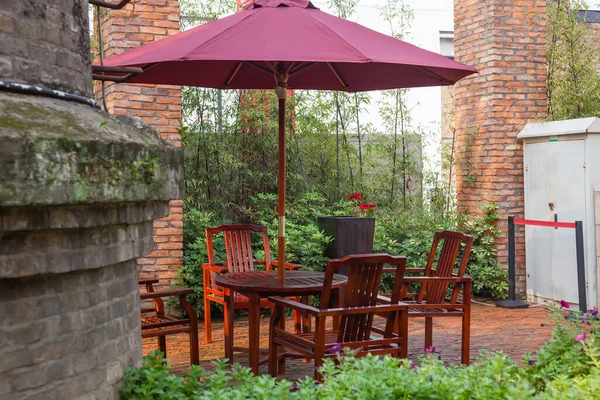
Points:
[147,321]
[154,322]
[331,344]
[161,325]
[438,312]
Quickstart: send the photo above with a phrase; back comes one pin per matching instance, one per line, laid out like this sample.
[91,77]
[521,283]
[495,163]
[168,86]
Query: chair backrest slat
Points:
[447,262]
[364,277]
[238,246]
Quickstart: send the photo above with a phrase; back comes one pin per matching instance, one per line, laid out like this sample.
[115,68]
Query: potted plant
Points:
[352,234]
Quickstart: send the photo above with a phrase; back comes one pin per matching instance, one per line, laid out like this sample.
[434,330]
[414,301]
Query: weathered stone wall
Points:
[79,191]
[46,43]
[63,336]
[505,40]
[159,106]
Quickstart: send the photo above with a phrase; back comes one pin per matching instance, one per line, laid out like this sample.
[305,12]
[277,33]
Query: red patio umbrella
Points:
[281,44]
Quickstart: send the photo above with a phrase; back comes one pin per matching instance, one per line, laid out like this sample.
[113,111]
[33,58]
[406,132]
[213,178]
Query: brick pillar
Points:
[505,40]
[140,22]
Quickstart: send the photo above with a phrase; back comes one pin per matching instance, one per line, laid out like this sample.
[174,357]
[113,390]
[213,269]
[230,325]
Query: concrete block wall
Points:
[505,40]
[141,22]
[79,191]
[69,335]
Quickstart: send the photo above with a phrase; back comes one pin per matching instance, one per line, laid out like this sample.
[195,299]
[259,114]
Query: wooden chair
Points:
[238,249]
[356,314]
[156,324]
[439,286]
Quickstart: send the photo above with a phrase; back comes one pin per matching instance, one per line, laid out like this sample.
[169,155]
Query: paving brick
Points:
[514,332]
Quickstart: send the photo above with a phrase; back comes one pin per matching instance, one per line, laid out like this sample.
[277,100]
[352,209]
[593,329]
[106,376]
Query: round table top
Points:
[268,281]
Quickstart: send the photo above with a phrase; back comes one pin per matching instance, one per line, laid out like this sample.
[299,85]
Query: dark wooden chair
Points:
[440,286]
[155,323]
[238,249]
[355,326]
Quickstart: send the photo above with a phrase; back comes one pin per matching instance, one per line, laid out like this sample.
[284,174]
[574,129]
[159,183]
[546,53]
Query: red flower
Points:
[356,196]
[363,207]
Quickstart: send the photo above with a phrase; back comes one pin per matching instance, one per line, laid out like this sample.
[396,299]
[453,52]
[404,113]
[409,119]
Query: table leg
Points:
[306,316]
[228,324]
[254,330]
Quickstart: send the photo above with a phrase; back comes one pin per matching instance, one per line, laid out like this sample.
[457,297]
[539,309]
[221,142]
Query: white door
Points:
[568,194]
[537,239]
[555,180]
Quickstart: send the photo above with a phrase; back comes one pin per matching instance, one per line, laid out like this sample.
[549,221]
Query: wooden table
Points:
[257,284]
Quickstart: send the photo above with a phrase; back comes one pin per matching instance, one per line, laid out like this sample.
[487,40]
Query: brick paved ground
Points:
[514,332]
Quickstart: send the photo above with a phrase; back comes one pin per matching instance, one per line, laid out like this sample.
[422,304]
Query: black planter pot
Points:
[351,235]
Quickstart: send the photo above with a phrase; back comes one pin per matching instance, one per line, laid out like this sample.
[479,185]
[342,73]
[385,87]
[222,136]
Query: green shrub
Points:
[566,356]
[408,232]
[489,278]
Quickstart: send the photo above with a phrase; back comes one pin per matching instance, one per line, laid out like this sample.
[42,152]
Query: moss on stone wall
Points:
[66,152]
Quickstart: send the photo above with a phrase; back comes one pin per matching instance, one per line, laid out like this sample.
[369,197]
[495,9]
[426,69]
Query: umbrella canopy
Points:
[279,44]
[315,49]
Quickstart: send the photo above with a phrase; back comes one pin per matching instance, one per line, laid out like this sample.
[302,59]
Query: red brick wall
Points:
[158,105]
[505,40]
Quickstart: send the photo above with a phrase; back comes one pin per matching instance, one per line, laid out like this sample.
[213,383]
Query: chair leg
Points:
[207,327]
[228,325]
[428,332]
[403,333]
[466,339]
[162,345]
[194,350]
[273,347]
[319,347]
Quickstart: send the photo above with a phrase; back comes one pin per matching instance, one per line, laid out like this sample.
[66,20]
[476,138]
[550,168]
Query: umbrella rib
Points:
[303,67]
[427,71]
[257,66]
[148,66]
[291,67]
[233,74]
[339,78]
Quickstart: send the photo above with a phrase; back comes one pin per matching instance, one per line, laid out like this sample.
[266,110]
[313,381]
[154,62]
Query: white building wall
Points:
[430,17]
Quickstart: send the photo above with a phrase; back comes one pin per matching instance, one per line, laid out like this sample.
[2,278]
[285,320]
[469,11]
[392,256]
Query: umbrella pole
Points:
[281,178]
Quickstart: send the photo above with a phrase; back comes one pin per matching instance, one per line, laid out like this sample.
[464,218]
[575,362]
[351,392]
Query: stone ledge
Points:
[59,152]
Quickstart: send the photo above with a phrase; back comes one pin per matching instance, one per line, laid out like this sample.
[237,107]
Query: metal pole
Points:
[512,274]
[580,266]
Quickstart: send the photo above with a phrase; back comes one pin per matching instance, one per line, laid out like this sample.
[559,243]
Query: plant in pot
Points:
[352,234]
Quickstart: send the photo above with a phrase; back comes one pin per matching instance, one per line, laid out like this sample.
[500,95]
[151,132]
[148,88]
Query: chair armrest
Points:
[337,311]
[281,301]
[378,308]
[166,293]
[406,271]
[383,299]
[215,268]
[147,281]
[287,265]
[425,279]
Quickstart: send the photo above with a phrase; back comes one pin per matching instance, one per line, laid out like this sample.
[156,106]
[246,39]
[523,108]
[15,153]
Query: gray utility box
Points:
[562,169]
